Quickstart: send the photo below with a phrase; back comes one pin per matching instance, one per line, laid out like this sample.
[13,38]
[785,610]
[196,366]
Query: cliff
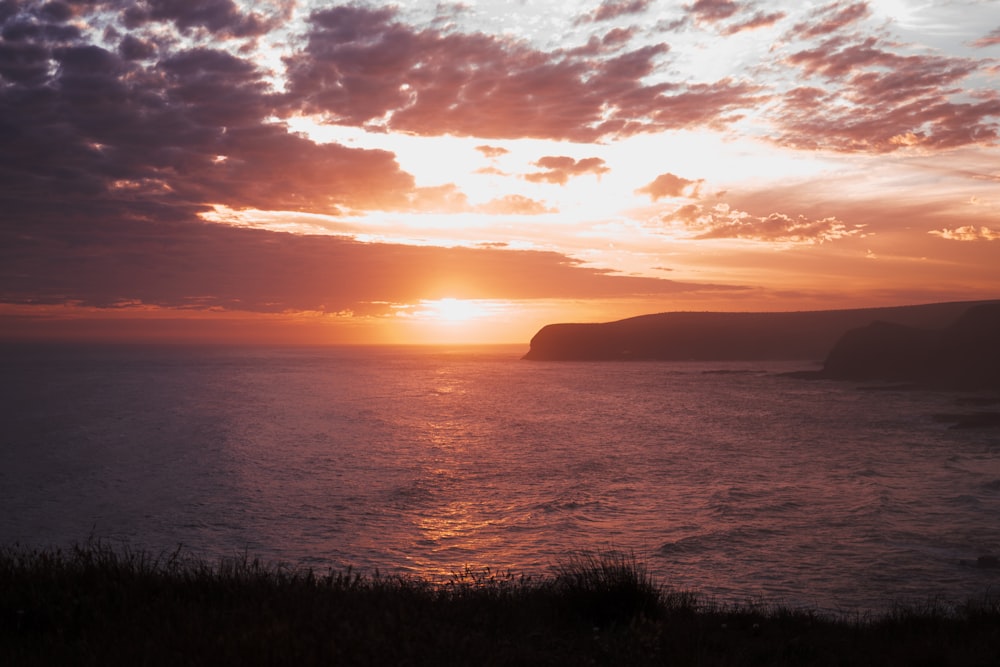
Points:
[716,336]
[964,355]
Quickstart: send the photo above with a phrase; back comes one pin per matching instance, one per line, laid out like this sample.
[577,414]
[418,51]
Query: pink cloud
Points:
[612,9]
[758,20]
[873,99]
[711,11]
[991,39]
[831,18]
[723,222]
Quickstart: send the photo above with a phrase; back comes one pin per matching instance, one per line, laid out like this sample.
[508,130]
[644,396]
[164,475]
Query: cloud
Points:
[182,264]
[968,233]
[711,11]
[444,198]
[218,17]
[559,169]
[449,199]
[831,18]
[188,127]
[669,185]
[110,153]
[866,97]
[492,151]
[612,9]
[515,205]
[758,20]
[723,222]
[362,67]
[990,39]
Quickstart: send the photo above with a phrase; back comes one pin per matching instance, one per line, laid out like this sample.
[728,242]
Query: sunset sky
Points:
[312,172]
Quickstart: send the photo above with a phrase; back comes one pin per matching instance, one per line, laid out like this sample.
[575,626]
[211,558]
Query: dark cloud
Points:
[191,129]
[110,155]
[133,48]
[362,67]
[219,17]
[182,264]
[559,169]
[56,11]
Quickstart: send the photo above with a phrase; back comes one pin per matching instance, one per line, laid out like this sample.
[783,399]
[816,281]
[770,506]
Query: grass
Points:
[98,605]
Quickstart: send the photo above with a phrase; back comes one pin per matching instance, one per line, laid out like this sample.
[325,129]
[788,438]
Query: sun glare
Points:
[462,321]
[454,310]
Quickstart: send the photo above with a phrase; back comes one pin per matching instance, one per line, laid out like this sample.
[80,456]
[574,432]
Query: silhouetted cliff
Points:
[964,355]
[708,336]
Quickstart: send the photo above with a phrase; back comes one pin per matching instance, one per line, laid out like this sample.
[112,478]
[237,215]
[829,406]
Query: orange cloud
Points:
[559,169]
[515,205]
[968,233]
[669,185]
[492,151]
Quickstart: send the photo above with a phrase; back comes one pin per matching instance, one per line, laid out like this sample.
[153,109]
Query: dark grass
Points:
[98,605]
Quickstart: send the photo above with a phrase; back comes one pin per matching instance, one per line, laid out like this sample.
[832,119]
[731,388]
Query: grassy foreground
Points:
[96,605]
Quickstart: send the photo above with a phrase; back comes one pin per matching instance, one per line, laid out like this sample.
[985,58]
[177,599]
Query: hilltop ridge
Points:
[729,336]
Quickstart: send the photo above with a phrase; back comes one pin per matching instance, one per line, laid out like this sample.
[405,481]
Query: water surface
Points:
[729,479]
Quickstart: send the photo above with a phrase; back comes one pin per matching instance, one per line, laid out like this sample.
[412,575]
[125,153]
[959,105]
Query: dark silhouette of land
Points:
[98,606]
[963,355]
[718,336]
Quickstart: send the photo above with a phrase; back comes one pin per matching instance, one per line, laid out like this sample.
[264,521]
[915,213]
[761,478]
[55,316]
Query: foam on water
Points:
[729,479]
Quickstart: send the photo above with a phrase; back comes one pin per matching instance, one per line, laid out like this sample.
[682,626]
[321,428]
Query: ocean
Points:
[728,479]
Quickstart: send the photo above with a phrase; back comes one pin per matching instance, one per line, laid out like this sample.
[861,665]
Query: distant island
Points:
[943,344]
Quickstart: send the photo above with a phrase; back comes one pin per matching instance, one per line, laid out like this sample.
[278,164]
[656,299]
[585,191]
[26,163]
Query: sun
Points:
[452,320]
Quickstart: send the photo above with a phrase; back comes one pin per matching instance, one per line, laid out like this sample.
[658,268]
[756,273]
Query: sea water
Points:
[729,479]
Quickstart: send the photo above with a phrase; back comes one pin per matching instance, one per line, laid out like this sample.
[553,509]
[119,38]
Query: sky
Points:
[290,171]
